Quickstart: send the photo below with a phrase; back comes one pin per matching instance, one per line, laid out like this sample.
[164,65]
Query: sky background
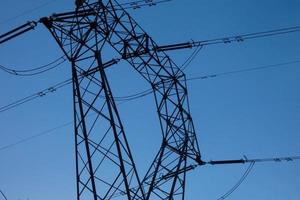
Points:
[256,114]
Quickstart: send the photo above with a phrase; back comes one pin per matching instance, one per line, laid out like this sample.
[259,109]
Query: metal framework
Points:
[104,163]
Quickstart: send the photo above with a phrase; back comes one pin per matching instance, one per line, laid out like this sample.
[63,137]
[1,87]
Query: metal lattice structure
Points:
[104,163]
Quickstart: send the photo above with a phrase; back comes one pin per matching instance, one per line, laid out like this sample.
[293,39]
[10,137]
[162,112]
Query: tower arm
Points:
[18,31]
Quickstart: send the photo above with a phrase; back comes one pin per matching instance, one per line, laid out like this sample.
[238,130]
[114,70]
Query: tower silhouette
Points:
[104,163]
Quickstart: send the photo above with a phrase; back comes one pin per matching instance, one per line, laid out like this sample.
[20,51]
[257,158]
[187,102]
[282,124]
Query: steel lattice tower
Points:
[104,163]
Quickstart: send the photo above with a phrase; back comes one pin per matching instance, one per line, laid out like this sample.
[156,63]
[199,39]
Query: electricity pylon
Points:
[104,163]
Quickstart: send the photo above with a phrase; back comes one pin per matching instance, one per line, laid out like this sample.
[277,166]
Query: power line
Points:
[240,181]
[198,44]
[35,136]
[230,191]
[41,93]
[134,96]
[43,68]
[141,94]
[227,194]
[138,95]
[141,3]
[229,39]
[243,37]
[34,71]
[32,24]
[3,195]
[223,40]
[250,167]
[46,132]
[275,159]
[150,91]
[191,58]
[43,133]
[243,70]
[129,5]
[246,160]
[27,12]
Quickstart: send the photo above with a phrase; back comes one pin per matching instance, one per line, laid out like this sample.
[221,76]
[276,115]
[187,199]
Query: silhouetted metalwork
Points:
[105,166]
[17,31]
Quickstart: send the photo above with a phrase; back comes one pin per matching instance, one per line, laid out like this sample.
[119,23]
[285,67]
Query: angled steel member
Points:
[105,166]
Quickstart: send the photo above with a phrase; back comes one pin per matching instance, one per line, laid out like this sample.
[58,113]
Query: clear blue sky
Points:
[256,114]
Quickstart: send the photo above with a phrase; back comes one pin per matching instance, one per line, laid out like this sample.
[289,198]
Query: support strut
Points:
[84,35]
